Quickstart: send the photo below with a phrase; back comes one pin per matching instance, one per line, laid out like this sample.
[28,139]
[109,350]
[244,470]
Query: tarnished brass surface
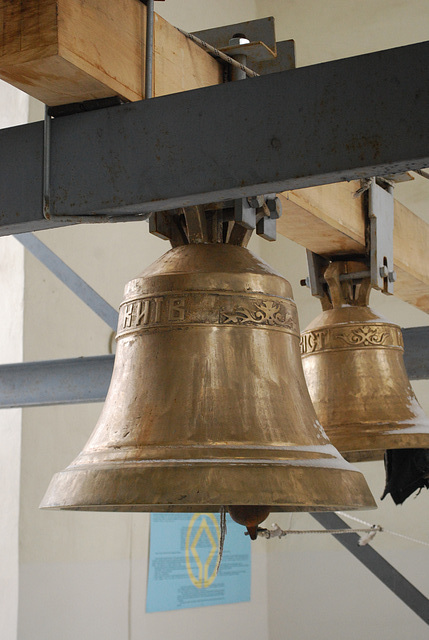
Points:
[207,405]
[354,368]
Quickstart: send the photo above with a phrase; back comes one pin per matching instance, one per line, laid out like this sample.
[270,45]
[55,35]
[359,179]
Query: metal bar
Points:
[72,381]
[416,356]
[149,48]
[373,561]
[70,278]
[236,64]
[341,120]
[21,381]
[46,161]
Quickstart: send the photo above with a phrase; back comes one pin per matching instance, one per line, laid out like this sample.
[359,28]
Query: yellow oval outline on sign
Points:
[203,580]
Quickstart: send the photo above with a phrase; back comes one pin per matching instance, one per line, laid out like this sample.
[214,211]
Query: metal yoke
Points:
[379,255]
[251,43]
[381,219]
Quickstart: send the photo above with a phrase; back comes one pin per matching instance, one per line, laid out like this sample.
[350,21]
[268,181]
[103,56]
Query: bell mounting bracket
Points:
[379,256]
[231,222]
[263,54]
[380,231]
[252,43]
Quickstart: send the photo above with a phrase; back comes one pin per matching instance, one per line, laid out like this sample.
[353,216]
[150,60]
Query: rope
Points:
[277,532]
[370,529]
[366,183]
[392,533]
[222,512]
[219,54]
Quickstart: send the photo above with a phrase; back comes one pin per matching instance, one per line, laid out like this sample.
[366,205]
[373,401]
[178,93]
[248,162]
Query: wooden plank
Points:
[179,64]
[410,255]
[28,30]
[328,220]
[62,51]
[105,40]
[324,219]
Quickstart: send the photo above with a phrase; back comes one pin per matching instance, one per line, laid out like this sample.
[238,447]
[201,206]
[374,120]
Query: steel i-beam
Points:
[341,120]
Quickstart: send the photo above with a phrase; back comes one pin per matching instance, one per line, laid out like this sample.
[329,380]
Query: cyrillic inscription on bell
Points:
[150,312]
[207,405]
[203,308]
[354,368]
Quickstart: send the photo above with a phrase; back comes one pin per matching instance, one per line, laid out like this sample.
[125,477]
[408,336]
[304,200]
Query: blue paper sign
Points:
[183,557]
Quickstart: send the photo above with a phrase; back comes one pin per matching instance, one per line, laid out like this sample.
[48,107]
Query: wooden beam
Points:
[328,220]
[324,219]
[180,64]
[63,51]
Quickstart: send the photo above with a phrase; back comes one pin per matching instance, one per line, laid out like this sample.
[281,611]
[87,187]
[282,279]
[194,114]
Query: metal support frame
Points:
[382,569]
[70,279]
[309,126]
[53,382]
[379,249]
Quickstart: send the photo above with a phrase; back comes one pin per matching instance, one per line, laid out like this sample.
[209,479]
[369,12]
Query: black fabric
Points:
[407,470]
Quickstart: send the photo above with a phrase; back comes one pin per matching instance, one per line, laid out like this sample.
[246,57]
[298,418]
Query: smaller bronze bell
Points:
[354,368]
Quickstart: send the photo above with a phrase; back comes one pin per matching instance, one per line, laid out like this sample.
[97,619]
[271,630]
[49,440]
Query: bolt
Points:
[305,282]
[238,40]
[275,207]
[384,271]
[256,201]
[392,276]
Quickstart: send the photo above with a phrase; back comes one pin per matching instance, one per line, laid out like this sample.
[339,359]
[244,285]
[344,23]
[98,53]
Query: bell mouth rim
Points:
[367,446]
[198,508]
[189,488]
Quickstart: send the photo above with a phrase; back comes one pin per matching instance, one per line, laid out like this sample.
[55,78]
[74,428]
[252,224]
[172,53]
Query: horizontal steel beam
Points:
[79,380]
[416,356]
[340,120]
[72,381]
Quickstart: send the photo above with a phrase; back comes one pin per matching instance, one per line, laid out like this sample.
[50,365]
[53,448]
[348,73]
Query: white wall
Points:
[13,111]
[83,575]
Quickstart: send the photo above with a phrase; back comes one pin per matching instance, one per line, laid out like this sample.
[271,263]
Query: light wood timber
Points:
[180,64]
[63,51]
[328,220]
[324,219]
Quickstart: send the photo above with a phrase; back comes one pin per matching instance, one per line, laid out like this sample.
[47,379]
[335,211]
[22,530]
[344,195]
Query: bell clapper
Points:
[250,516]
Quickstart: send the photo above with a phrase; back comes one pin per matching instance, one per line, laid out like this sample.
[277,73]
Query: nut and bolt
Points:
[392,276]
[275,207]
[385,273]
[256,201]
[238,40]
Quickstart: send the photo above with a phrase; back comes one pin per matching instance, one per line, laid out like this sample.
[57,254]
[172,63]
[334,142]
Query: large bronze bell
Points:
[354,368]
[208,405]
